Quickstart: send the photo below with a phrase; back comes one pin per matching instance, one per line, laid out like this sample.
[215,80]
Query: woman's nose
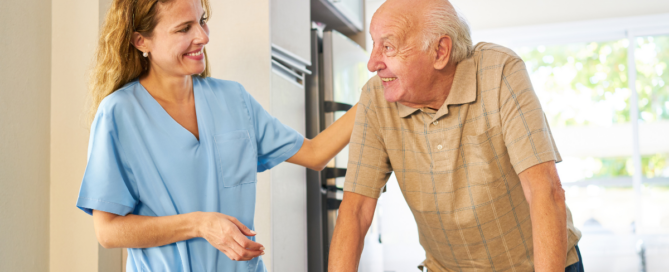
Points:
[202,35]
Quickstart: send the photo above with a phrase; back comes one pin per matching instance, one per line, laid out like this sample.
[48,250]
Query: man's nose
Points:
[375,62]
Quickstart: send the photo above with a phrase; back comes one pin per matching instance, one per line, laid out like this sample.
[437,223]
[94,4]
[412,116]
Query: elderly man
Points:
[464,132]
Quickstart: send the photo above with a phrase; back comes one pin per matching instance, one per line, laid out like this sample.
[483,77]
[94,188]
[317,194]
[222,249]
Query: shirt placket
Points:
[436,141]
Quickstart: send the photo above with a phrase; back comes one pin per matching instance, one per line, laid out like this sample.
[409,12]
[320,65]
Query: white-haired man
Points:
[464,132]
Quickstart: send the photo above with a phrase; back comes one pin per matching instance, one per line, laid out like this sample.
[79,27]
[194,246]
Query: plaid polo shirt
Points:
[458,167]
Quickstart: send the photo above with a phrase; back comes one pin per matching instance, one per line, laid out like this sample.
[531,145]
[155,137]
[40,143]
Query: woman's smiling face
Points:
[177,42]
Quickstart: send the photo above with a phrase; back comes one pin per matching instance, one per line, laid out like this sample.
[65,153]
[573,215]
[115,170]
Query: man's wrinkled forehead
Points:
[390,28]
[390,24]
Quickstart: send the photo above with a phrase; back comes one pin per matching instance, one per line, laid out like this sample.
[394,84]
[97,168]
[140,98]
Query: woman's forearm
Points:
[317,152]
[137,231]
[335,137]
[223,232]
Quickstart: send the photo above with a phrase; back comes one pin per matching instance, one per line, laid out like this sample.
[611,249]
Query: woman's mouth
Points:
[196,55]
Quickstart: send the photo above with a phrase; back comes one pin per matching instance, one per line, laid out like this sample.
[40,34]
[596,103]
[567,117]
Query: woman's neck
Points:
[168,88]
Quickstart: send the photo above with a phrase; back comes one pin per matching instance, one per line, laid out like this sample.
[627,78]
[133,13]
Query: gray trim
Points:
[289,59]
[617,182]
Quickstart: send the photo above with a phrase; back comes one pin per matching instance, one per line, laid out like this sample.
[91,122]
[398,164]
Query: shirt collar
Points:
[463,90]
[405,111]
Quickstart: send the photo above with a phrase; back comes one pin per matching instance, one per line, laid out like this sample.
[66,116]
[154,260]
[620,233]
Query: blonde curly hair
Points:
[117,61]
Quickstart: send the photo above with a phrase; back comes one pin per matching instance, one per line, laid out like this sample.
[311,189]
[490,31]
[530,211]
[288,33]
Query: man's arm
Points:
[355,215]
[545,195]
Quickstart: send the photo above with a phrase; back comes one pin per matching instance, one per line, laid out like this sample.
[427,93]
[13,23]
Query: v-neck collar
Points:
[171,126]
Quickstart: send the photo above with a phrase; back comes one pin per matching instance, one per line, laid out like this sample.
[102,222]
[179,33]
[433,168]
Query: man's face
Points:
[397,56]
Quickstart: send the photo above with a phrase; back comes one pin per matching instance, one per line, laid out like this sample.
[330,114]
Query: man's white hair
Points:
[444,19]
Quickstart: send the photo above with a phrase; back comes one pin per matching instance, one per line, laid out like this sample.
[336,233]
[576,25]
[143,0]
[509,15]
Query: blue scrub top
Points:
[141,161]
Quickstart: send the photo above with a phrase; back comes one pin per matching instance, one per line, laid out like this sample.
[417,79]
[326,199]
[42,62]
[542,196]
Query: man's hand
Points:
[545,195]
[355,215]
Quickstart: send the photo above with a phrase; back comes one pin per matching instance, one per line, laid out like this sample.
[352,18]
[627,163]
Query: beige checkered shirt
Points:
[458,166]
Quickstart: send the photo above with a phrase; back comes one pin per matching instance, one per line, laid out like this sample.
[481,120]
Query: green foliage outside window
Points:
[651,165]
[582,83]
[587,84]
[594,77]
[655,165]
[652,59]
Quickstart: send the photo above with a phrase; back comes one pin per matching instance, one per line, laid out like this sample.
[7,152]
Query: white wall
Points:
[490,14]
[25,31]
[239,50]
[75,24]
[486,14]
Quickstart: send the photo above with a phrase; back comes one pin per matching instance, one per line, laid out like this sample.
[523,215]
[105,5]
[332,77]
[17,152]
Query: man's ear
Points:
[443,54]
[139,42]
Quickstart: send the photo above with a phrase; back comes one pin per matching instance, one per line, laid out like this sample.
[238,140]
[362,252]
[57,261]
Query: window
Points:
[606,130]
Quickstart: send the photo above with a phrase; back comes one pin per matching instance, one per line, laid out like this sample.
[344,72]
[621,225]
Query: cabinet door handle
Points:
[333,204]
[331,106]
[334,172]
[333,201]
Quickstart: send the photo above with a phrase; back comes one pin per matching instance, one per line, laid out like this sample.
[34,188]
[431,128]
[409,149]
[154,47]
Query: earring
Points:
[145,54]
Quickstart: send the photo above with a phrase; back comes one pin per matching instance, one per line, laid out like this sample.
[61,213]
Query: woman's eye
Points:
[185,29]
[203,21]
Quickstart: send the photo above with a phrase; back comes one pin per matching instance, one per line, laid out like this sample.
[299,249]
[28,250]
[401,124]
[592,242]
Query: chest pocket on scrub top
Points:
[236,158]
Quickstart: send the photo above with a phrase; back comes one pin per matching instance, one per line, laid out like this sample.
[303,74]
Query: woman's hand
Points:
[228,235]
[223,232]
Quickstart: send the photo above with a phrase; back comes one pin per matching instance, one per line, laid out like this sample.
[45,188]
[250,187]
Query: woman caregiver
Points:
[173,153]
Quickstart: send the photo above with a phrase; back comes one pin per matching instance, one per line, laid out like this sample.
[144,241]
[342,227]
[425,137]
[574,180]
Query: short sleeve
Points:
[105,185]
[368,168]
[526,133]
[276,142]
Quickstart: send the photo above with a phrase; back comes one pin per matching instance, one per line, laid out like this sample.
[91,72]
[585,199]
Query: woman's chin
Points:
[196,70]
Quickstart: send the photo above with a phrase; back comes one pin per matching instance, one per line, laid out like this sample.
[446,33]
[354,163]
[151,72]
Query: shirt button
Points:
[435,122]
[439,147]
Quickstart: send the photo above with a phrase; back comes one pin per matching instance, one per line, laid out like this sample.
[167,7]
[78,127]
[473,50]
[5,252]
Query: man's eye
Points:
[388,48]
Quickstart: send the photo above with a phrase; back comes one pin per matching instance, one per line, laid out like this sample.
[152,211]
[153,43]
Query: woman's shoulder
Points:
[225,89]
[222,85]
[121,98]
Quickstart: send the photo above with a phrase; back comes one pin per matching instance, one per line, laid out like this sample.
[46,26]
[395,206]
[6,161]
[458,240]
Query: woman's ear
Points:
[443,54]
[139,42]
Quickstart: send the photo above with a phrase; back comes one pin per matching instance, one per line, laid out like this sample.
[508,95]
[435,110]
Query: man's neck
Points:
[440,88]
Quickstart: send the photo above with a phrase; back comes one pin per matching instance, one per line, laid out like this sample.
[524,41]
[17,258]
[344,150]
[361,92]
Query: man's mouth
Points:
[388,79]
